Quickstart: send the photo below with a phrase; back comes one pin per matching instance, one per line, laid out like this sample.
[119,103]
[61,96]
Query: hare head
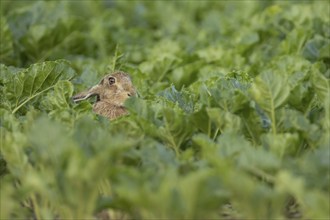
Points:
[111,93]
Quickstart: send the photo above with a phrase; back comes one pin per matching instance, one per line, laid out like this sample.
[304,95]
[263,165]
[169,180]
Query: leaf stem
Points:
[104,187]
[35,207]
[309,106]
[272,115]
[209,127]
[114,61]
[249,131]
[261,174]
[162,75]
[167,69]
[273,121]
[216,133]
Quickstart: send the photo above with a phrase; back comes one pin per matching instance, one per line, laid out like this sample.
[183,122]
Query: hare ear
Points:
[86,94]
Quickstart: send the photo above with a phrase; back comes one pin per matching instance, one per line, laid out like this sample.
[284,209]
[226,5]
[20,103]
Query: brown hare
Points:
[111,93]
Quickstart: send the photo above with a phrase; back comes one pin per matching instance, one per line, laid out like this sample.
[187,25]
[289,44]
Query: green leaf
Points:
[3,166]
[182,98]
[229,94]
[176,128]
[300,95]
[295,121]
[187,73]
[314,161]
[147,115]
[281,144]
[270,90]
[57,102]
[321,84]
[7,47]
[201,120]
[35,81]
[204,141]
[316,48]
[60,97]
[255,160]
[225,121]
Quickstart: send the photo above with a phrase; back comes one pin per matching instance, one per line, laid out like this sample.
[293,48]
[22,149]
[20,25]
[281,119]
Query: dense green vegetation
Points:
[233,107]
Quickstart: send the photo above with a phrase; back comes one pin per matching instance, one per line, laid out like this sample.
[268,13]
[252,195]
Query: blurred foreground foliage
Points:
[234,107]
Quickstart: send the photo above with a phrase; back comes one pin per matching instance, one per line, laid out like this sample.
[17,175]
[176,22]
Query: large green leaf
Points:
[230,94]
[34,82]
[182,98]
[321,84]
[316,49]
[270,90]
[176,128]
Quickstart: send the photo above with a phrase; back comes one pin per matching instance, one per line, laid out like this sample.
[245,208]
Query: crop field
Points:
[231,120]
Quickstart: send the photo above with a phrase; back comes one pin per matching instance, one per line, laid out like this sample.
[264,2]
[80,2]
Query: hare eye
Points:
[112,80]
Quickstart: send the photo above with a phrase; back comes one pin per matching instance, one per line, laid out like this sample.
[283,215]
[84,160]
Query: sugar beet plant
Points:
[232,118]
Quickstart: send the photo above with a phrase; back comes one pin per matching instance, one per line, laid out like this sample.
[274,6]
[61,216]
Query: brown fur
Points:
[110,96]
